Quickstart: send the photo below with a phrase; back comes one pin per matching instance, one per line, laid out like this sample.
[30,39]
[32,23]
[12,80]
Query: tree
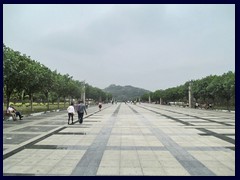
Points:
[9,72]
[34,75]
[14,71]
[46,83]
[223,87]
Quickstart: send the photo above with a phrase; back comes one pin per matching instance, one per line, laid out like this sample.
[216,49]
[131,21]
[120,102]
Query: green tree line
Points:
[24,78]
[217,90]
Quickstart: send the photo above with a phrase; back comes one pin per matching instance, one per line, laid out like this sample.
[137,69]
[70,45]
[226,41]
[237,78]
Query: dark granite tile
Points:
[36,129]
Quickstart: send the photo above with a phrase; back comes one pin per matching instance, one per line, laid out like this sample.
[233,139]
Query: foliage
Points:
[218,90]
[24,77]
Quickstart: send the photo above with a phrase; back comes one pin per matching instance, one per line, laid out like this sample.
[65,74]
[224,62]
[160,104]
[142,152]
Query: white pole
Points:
[84,93]
[190,95]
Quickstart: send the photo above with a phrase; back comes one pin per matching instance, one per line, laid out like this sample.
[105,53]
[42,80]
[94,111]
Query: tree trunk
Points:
[58,102]
[22,96]
[8,93]
[31,101]
[47,101]
[228,105]
[8,101]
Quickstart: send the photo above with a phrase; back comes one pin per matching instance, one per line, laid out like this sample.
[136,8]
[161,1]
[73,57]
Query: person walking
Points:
[80,110]
[100,106]
[71,112]
[196,105]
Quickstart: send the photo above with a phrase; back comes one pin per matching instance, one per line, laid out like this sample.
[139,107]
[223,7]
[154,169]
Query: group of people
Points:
[13,111]
[204,106]
[80,108]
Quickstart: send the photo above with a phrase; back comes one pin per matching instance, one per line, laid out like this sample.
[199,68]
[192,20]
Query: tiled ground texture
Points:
[123,139]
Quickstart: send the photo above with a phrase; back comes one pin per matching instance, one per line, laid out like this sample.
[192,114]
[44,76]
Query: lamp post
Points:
[83,95]
[190,94]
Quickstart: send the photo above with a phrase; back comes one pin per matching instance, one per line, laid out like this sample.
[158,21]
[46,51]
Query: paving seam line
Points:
[89,166]
[222,137]
[14,151]
[189,163]
[210,120]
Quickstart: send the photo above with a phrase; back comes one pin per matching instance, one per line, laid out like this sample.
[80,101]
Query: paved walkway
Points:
[122,139]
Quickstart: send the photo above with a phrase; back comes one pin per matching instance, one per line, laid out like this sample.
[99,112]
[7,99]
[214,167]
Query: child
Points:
[71,112]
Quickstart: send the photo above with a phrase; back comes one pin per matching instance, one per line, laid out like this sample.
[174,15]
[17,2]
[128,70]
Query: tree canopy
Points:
[219,90]
[23,75]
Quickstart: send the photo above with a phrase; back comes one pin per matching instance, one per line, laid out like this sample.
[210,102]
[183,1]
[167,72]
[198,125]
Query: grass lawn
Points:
[25,109]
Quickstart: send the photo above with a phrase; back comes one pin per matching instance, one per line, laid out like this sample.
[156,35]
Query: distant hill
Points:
[125,93]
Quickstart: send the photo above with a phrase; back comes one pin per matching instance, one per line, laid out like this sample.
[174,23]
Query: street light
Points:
[84,93]
[190,94]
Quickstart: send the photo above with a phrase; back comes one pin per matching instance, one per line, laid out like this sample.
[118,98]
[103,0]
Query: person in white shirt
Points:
[71,112]
[12,111]
[17,113]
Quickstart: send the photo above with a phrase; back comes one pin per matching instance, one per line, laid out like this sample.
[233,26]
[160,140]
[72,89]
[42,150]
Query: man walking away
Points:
[71,112]
[81,108]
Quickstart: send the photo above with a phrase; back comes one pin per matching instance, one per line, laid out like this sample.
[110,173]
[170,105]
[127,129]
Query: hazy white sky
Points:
[147,46]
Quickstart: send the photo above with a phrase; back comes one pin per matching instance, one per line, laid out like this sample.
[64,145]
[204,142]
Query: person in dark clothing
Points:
[11,109]
[100,106]
[81,109]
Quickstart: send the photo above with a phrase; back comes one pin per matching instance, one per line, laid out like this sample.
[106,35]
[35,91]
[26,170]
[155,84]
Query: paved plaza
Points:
[122,139]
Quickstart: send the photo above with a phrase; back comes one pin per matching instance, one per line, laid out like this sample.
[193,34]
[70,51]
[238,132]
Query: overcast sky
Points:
[147,46]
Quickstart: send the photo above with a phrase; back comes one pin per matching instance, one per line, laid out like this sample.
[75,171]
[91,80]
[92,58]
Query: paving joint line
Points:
[183,157]
[89,163]
[5,156]
[210,120]
[220,136]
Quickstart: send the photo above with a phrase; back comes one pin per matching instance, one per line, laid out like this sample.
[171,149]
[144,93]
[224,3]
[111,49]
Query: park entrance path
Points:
[123,139]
